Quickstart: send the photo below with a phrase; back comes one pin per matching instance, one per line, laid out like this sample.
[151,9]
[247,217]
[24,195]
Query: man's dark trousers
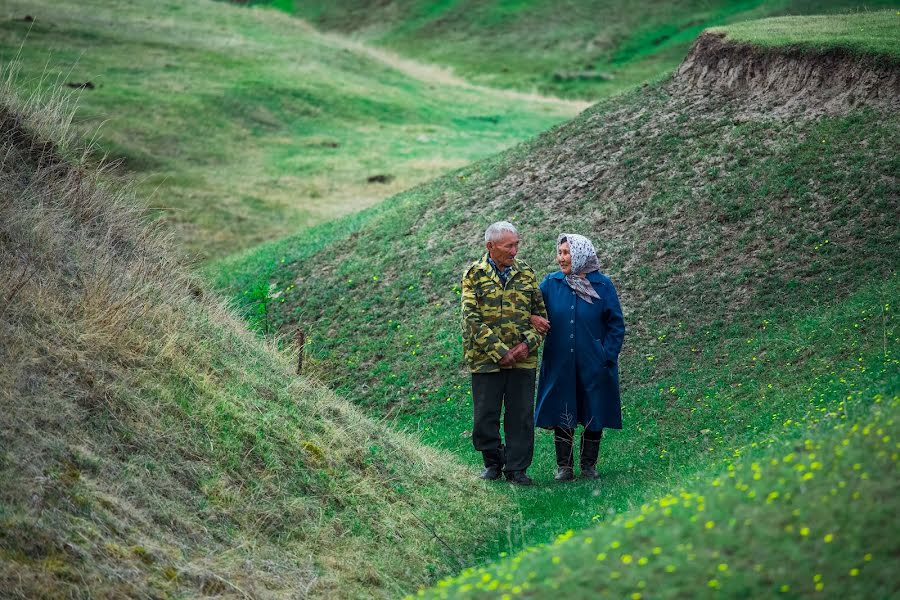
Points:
[514,390]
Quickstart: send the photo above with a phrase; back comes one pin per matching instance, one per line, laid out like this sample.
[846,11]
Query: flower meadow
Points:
[803,506]
[813,514]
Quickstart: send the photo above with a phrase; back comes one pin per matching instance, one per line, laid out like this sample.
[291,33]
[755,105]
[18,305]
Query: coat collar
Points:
[593,276]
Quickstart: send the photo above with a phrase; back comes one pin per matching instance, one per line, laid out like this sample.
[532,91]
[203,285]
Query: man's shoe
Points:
[518,478]
[564,474]
[493,464]
[491,473]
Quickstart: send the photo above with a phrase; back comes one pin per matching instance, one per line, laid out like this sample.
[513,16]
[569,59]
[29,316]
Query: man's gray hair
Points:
[495,230]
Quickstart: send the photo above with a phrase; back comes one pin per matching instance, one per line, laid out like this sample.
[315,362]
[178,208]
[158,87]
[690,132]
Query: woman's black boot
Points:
[563,440]
[590,450]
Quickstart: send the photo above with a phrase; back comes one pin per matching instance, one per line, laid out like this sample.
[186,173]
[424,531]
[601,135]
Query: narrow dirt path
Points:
[437,74]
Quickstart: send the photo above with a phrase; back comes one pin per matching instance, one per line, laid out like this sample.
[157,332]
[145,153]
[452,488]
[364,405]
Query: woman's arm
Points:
[539,319]
[541,324]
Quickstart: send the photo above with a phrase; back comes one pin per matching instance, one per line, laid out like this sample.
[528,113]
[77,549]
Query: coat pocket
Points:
[601,351]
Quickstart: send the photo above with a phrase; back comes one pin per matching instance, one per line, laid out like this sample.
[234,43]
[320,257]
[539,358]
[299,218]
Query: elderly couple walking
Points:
[505,317]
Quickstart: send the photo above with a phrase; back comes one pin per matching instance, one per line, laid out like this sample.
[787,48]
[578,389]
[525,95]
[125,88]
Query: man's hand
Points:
[541,324]
[521,351]
[517,353]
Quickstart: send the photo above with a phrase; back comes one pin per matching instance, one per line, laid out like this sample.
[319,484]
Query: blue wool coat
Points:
[579,381]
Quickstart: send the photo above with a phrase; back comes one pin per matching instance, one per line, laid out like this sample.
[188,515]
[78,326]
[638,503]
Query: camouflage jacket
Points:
[496,317]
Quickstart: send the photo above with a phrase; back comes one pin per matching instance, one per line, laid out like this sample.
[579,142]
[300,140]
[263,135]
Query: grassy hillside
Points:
[861,33]
[578,48]
[810,516]
[150,446]
[753,242]
[242,126]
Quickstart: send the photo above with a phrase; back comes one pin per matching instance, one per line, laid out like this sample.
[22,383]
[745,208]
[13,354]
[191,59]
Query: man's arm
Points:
[474,327]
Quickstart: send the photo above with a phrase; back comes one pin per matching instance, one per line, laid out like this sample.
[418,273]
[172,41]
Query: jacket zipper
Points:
[502,296]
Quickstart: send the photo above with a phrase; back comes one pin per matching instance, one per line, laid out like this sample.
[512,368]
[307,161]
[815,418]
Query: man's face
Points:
[564,258]
[504,249]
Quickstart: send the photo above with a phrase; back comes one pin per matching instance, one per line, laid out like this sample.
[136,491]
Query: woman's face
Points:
[564,258]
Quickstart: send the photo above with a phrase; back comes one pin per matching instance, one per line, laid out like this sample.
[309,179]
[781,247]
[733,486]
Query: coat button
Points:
[571,349]
[572,307]
[571,335]
[572,321]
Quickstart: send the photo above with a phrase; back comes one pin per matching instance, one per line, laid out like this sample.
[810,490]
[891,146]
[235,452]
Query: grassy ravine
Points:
[242,126]
[580,48]
[150,446]
[756,259]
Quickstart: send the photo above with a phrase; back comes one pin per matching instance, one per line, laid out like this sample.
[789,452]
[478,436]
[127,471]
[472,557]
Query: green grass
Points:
[809,514]
[861,33]
[150,446]
[579,48]
[747,252]
[243,126]
[154,447]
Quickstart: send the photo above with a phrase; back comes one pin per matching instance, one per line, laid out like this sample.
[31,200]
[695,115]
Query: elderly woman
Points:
[579,377]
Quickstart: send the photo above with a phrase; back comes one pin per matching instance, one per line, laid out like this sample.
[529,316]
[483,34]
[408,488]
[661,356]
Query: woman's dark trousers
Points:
[512,389]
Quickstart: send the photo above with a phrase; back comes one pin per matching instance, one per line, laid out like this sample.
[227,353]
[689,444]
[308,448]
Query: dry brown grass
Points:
[151,446]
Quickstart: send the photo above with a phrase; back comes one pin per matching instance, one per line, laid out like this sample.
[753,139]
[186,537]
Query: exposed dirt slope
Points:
[151,447]
[790,81]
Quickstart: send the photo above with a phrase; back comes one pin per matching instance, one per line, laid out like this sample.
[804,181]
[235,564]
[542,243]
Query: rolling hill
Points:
[150,446]
[576,48]
[746,210]
[242,126]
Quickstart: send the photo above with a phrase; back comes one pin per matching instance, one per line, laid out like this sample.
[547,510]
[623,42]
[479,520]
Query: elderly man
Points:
[499,296]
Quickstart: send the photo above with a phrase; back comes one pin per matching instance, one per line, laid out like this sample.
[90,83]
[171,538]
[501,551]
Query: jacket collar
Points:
[485,266]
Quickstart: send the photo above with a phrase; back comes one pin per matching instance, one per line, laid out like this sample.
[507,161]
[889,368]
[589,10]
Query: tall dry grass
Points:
[151,446]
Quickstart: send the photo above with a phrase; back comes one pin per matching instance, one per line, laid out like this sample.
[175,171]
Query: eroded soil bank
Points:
[789,80]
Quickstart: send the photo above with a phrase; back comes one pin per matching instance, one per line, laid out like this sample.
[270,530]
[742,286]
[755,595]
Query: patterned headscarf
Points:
[584,260]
